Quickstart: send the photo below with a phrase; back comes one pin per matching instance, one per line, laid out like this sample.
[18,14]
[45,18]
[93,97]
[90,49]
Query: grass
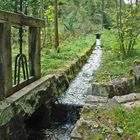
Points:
[70,51]
[112,64]
[116,123]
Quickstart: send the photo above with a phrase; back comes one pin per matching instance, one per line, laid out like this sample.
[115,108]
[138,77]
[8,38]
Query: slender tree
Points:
[103,10]
[56,24]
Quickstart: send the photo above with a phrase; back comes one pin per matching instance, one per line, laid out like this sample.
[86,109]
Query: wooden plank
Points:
[22,85]
[34,52]
[5,60]
[16,18]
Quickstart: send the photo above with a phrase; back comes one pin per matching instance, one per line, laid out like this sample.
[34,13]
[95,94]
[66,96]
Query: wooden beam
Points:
[34,52]
[5,60]
[17,18]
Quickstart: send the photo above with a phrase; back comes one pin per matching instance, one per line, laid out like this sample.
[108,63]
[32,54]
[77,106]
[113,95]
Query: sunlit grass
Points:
[70,51]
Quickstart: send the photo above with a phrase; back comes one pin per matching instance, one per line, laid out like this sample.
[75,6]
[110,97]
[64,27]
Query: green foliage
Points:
[49,16]
[113,64]
[7,5]
[128,27]
[128,121]
[81,16]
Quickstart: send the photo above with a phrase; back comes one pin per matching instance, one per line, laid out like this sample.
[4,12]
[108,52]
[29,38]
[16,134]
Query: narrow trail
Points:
[80,87]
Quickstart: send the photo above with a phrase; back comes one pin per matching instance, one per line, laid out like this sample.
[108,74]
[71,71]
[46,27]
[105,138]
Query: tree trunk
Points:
[103,8]
[56,24]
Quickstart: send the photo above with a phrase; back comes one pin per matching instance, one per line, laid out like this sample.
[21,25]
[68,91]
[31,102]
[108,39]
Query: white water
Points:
[80,87]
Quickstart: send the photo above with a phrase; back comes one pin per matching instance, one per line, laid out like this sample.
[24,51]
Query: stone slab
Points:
[130,105]
[115,87]
[89,126]
[96,99]
[127,98]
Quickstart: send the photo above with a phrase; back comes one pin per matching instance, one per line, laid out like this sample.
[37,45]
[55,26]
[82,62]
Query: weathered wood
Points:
[34,52]
[22,85]
[5,60]
[6,19]
[16,18]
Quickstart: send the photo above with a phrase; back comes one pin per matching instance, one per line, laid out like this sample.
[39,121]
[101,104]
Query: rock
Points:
[96,99]
[126,98]
[84,128]
[115,87]
[93,102]
[130,105]
[99,89]
[136,71]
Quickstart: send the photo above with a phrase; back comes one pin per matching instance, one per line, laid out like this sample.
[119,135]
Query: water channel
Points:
[73,99]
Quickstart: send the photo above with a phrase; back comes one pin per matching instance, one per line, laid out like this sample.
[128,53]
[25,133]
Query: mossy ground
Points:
[115,123]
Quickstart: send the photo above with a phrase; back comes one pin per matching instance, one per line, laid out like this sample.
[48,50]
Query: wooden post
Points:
[34,52]
[5,60]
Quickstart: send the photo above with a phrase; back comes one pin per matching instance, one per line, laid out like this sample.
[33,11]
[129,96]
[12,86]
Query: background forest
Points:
[75,17]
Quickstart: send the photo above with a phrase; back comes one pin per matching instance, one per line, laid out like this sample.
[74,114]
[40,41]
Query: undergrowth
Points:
[116,123]
[113,65]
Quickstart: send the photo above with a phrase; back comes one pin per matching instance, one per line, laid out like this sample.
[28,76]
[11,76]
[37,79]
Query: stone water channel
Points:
[70,103]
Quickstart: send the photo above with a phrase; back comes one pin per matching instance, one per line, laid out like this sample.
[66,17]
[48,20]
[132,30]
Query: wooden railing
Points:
[8,19]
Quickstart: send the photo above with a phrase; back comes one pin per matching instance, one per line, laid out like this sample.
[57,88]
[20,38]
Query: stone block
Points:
[126,98]
[84,128]
[136,71]
[115,87]
[130,105]
[96,99]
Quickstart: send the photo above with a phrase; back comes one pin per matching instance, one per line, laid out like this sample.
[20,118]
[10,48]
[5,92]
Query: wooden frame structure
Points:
[7,19]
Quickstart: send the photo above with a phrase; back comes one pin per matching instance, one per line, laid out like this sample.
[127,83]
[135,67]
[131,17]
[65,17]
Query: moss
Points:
[91,114]
[6,115]
[96,136]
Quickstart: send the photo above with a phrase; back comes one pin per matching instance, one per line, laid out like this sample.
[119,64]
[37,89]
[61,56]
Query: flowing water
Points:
[79,88]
